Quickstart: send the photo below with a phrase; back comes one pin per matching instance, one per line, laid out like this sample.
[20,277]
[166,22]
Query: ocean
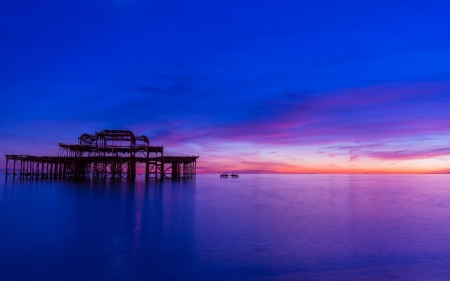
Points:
[255,227]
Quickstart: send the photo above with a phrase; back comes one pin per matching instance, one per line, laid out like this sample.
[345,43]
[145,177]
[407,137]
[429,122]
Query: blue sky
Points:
[251,86]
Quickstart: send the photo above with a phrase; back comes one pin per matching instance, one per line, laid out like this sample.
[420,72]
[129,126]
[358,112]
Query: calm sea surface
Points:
[257,227]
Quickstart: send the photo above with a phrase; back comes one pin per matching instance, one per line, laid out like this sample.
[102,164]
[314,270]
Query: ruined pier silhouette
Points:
[107,154]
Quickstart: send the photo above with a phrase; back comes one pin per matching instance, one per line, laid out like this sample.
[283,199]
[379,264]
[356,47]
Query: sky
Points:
[249,86]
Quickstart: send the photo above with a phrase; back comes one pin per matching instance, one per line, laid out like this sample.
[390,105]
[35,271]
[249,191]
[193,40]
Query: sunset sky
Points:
[250,86]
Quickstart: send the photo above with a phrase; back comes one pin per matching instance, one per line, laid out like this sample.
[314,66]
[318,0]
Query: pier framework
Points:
[107,154]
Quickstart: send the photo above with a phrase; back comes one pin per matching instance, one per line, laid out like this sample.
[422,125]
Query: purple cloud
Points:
[408,154]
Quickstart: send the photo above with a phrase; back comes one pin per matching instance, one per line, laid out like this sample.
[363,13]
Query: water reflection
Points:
[326,227]
[299,227]
[102,229]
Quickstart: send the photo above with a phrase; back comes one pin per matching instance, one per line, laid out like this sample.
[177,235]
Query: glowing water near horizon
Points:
[257,227]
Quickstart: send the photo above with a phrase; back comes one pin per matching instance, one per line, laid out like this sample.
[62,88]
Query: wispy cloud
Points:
[367,114]
[407,154]
[349,124]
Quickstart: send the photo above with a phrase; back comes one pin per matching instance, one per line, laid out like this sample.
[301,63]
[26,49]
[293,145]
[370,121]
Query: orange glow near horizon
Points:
[319,163]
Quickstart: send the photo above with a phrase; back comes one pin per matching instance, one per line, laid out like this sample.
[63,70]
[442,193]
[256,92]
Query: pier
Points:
[226,175]
[107,154]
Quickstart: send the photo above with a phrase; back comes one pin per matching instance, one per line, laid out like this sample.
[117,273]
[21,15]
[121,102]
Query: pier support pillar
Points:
[162,169]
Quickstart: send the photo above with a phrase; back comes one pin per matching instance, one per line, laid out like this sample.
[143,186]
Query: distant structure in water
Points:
[107,154]
[226,175]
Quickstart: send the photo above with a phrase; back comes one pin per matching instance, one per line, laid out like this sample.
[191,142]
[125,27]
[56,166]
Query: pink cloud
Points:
[367,114]
[408,154]
[370,117]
